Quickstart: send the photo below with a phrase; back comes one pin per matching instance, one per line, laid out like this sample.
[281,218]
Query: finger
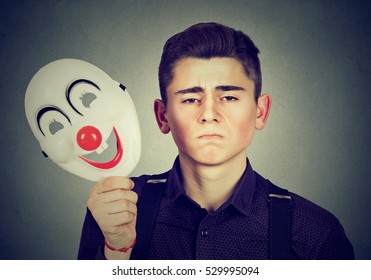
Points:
[118,219]
[119,194]
[118,207]
[112,183]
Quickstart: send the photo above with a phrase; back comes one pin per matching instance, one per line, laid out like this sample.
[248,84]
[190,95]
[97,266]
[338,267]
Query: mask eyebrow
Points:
[42,111]
[70,87]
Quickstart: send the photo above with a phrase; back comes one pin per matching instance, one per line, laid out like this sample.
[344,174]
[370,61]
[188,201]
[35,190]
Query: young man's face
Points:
[211,110]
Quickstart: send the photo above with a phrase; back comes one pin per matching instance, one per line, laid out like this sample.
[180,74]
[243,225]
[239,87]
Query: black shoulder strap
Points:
[279,223]
[148,206]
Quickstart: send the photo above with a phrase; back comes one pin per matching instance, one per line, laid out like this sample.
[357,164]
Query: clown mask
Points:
[85,121]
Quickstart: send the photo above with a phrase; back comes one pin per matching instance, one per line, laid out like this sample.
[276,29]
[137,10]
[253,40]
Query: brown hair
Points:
[205,41]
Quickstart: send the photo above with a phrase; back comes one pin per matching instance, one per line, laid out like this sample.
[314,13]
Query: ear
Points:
[264,107]
[160,114]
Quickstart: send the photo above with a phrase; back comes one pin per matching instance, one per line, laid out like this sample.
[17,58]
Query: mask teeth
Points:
[102,148]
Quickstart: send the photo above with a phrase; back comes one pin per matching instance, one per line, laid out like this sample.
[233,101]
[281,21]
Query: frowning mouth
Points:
[112,149]
[211,136]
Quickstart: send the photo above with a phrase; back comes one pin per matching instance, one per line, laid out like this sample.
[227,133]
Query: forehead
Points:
[50,83]
[223,70]
[217,63]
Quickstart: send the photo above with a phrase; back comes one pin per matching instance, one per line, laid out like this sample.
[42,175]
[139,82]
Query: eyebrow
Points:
[70,87]
[200,89]
[43,110]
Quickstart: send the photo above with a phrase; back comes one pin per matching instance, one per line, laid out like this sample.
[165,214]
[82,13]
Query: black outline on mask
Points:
[43,110]
[69,89]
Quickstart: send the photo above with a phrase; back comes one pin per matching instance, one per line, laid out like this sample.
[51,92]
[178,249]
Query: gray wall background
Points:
[315,62]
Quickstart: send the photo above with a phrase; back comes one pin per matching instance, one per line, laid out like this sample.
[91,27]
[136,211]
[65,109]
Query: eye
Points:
[55,126]
[87,98]
[82,94]
[191,100]
[52,121]
[229,98]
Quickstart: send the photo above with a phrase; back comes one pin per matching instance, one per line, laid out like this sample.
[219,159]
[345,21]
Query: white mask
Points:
[85,121]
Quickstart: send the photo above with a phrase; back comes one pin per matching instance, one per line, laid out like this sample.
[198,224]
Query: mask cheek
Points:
[114,106]
[59,149]
[106,108]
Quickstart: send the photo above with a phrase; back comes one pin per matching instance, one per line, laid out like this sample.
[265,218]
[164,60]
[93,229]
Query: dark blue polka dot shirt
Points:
[237,230]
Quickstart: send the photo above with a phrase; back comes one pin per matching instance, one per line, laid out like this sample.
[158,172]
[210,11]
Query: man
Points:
[213,205]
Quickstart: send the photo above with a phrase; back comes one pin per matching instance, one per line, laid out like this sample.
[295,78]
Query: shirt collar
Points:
[175,183]
[241,199]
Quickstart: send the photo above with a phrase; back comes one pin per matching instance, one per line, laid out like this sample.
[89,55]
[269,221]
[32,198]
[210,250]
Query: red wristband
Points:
[123,249]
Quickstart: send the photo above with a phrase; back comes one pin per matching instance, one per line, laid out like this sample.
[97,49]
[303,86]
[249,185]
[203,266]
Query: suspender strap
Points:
[279,223]
[148,206]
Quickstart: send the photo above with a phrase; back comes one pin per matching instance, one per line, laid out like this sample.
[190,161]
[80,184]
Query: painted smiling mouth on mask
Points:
[108,155]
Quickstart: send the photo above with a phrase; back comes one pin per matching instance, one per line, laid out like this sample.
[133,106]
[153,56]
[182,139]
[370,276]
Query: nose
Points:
[89,138]
[210,111]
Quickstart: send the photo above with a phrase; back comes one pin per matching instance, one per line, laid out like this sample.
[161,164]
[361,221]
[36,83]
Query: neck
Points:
[211,185]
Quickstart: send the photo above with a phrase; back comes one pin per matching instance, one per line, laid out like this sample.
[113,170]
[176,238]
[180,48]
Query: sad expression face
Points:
[85,121]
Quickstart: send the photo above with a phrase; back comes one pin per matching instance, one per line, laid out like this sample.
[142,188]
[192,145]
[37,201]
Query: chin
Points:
[209,160]
[218,158]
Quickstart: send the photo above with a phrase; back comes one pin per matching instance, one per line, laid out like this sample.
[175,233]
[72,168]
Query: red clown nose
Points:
[89,138]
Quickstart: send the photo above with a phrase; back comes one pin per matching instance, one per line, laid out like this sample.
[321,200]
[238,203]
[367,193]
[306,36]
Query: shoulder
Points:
[312,225]
[316,233]
[302,208]
[307,212]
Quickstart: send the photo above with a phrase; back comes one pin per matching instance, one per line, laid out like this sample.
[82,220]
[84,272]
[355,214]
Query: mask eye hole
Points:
[55,126]
[81,95]
[51,121]
[87,98]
